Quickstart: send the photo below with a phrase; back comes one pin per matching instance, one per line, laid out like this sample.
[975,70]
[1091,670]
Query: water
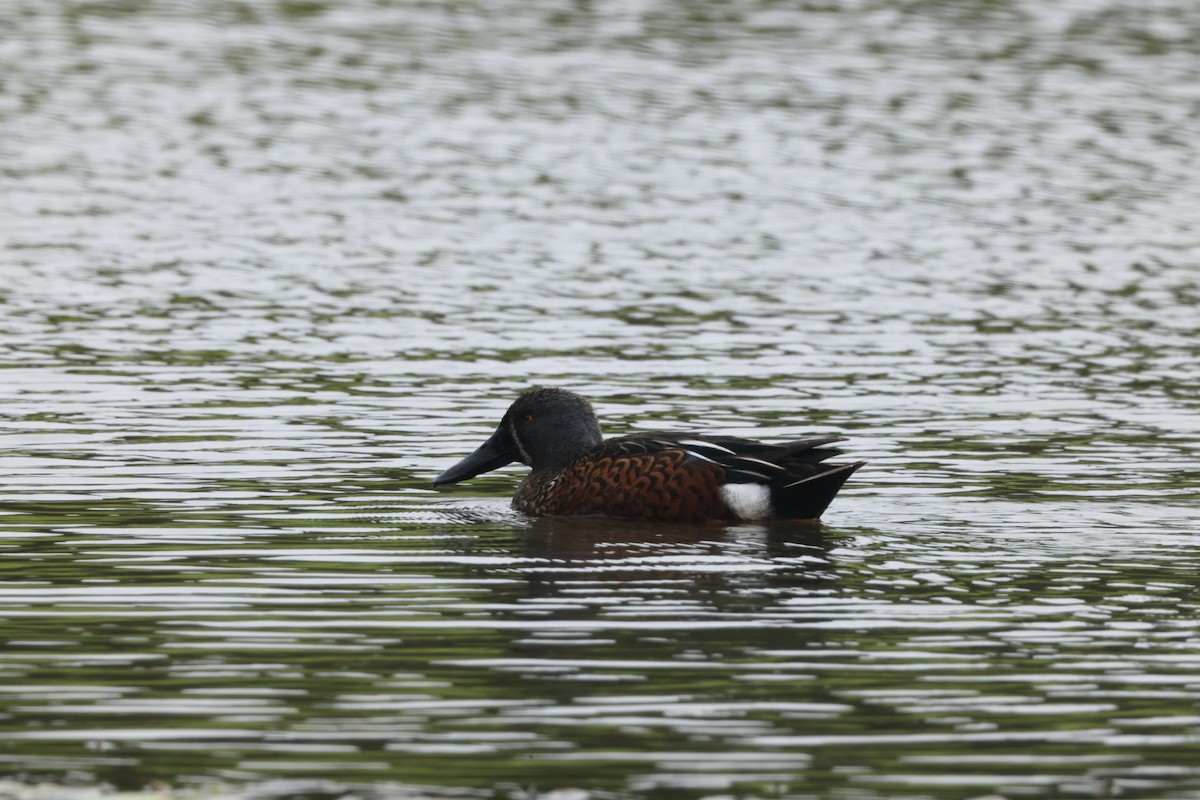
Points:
[270,267]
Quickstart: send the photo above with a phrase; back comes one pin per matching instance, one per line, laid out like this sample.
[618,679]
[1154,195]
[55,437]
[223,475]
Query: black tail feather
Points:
[808,497]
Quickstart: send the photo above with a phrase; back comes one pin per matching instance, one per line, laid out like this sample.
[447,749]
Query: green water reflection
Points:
[630,658]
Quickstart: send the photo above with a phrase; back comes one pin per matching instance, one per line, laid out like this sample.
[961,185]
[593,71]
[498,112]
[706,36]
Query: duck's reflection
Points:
[572,550]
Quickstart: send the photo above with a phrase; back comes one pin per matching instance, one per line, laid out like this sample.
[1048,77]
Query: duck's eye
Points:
[529,417]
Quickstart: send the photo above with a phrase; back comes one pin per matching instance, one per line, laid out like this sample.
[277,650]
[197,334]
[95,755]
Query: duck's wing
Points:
[792,475]
[744,460]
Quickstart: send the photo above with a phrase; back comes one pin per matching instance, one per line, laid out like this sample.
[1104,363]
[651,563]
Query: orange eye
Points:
[529,417]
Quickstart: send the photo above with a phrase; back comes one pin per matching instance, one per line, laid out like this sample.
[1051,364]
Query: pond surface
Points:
[269,267]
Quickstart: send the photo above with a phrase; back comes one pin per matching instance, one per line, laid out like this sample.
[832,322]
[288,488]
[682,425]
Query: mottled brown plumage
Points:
[663,485]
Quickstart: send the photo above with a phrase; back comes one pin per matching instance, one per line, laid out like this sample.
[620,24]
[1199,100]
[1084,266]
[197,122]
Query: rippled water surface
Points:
[269,267]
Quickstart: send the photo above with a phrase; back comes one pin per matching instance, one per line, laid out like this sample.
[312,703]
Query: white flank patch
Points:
[748,500]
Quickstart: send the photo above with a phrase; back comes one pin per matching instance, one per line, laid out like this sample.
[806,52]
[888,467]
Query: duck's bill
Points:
[492,454]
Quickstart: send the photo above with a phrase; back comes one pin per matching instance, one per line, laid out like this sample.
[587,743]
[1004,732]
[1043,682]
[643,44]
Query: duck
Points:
[651,476]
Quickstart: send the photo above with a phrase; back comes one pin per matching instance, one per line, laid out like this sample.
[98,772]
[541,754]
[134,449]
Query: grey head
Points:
[544,428]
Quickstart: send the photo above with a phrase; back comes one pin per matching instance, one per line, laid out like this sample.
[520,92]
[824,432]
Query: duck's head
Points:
[544,428]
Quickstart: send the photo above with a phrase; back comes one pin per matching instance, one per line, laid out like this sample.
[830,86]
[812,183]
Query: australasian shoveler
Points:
[683,477]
